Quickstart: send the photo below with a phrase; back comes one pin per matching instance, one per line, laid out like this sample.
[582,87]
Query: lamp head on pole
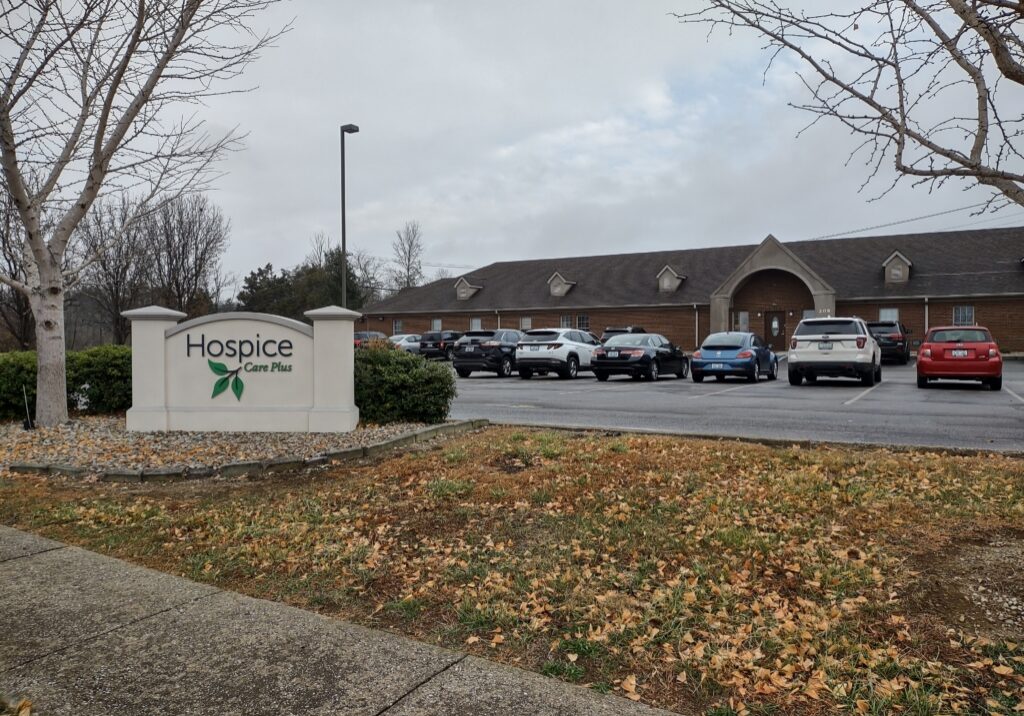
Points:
[349,128]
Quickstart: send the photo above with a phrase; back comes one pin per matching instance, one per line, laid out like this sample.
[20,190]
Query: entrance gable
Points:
[770,254]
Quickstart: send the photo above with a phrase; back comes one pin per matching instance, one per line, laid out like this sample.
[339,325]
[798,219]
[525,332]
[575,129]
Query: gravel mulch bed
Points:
[99,443]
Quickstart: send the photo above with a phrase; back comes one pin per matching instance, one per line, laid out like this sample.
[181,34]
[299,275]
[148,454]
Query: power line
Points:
[901,221]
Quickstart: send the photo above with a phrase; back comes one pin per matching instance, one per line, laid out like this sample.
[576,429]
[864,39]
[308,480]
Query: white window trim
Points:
[526,323]
[476,323]
[895,310]
[961,307]
[435,324]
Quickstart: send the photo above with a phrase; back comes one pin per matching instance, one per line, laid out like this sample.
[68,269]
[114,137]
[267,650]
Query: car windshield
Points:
[813,328]
[628,339]
[724,341]
[540,337]
[961,335]
[431,337]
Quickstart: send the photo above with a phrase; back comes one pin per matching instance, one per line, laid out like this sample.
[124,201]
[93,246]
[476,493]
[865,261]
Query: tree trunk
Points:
[51,376]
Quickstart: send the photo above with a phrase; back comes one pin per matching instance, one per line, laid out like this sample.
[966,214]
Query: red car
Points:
[960,353]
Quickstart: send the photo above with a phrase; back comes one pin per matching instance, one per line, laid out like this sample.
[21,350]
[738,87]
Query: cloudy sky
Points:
[537,129]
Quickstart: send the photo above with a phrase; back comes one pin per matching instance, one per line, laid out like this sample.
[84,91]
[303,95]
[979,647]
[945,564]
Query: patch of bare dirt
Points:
[976,585]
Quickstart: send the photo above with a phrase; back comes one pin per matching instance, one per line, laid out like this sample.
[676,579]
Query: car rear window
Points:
[478,334]
[883,329]
[540,336]
[813,328]
[961,335]
[431,337]
[629,339]
[724,341]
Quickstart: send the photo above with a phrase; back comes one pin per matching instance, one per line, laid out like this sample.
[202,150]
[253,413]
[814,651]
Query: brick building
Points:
[923,280]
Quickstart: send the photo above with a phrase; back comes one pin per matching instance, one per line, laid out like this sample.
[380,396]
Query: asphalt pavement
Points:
[893,412]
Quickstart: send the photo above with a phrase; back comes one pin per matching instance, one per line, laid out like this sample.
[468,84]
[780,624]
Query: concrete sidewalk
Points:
[85,634]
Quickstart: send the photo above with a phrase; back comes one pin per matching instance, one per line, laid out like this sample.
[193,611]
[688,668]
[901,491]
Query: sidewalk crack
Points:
[33,554]
[418,686]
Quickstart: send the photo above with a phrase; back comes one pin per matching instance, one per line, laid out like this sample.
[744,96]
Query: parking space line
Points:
[1013,394]
[719,392]
[861,394]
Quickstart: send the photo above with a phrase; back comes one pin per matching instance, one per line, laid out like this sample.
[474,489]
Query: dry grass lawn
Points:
[694,575]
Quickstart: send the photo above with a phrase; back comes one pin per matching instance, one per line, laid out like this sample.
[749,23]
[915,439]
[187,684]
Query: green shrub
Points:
[101,378]
[396,386]
[17,369]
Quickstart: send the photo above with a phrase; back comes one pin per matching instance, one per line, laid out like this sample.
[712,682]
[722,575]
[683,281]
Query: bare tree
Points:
[15,311]
[441,273]
[369,273]
[118,277]
[88,93]
[185,240]
[932,85]
[407,251]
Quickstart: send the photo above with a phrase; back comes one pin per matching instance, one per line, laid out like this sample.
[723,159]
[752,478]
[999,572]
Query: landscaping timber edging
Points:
[284,463]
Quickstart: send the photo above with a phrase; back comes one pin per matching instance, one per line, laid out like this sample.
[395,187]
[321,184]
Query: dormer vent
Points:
[558,284]
[669,280]
[464,290]
[897,268]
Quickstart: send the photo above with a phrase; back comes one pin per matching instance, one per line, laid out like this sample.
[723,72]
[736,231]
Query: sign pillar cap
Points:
[332,313]
[154,313]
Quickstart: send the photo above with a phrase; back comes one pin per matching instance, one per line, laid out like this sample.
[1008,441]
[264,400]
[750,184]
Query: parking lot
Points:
[896,411]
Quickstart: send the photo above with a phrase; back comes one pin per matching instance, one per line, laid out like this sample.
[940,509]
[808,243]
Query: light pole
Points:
[345,129]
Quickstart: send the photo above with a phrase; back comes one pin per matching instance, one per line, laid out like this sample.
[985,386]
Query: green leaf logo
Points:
[227,377]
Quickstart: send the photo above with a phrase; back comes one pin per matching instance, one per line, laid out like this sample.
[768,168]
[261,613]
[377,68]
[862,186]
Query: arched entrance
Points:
[772,280]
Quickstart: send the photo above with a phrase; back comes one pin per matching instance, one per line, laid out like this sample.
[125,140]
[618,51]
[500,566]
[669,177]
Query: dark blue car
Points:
[734,353]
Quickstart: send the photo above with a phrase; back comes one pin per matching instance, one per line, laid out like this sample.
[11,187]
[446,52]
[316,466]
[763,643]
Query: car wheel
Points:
[773,370]
[601,375]
[878,373]
[755,375]
[684,370]
[922,382]
[572,367]
[463,373]
[698,377]
[720,378]
[905,358]
[996,383]
[811,378]
[525,373]
[795,378]
[868,378]
[449,353]
[653,373]
[505,369]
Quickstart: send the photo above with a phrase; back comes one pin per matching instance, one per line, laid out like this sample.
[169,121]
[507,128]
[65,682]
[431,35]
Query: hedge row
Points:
[99,381]
[390,386]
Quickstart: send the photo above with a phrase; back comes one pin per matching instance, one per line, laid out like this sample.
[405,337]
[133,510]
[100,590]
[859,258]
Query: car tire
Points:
[905,358]
[755,375]
[601,375]
[773,370]
[525,373]
[463,373]
[684,370]
[795,378]
[867,379]
[698,377]
[811,378]
[449,353]
[505,369]
[654,372]
[572,368]
[996,383]
[922,382]
[720,378]
[878,373]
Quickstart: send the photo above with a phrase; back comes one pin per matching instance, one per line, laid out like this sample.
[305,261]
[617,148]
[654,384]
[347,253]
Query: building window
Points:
[435,324]
[566,321]
[582,322]
[888,314]
[963,315]
[742,321]
[525,323]
[896,273]
[396,327]
[475,324]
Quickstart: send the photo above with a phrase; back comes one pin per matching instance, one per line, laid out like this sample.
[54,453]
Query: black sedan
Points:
[490,351]
[639,355]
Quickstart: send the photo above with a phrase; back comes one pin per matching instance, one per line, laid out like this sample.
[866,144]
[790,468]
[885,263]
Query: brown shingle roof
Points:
[953,263]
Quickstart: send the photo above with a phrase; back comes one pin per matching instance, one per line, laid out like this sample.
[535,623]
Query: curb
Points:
[286,463]
[771,442]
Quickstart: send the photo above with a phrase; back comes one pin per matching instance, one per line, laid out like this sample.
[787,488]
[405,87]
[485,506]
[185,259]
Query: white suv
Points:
[564,351]
[834,347]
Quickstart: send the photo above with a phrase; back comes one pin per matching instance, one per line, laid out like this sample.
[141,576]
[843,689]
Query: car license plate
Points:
[825,345]
[613,354]
[959,352]
[534,348]
[718,366]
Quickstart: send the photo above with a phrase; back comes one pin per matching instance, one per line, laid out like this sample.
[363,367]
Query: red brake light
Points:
[599,352]
[633,352]
[792,344]
[744,354]
[696,354]
[492,344]
[896,336]
[862,341]
[554,346]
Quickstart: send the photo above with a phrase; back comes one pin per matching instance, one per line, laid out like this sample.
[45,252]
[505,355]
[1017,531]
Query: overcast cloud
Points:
[536,129]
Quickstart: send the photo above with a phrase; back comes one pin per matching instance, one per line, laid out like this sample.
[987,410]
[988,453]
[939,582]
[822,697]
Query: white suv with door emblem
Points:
[564,351]
[834,347]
